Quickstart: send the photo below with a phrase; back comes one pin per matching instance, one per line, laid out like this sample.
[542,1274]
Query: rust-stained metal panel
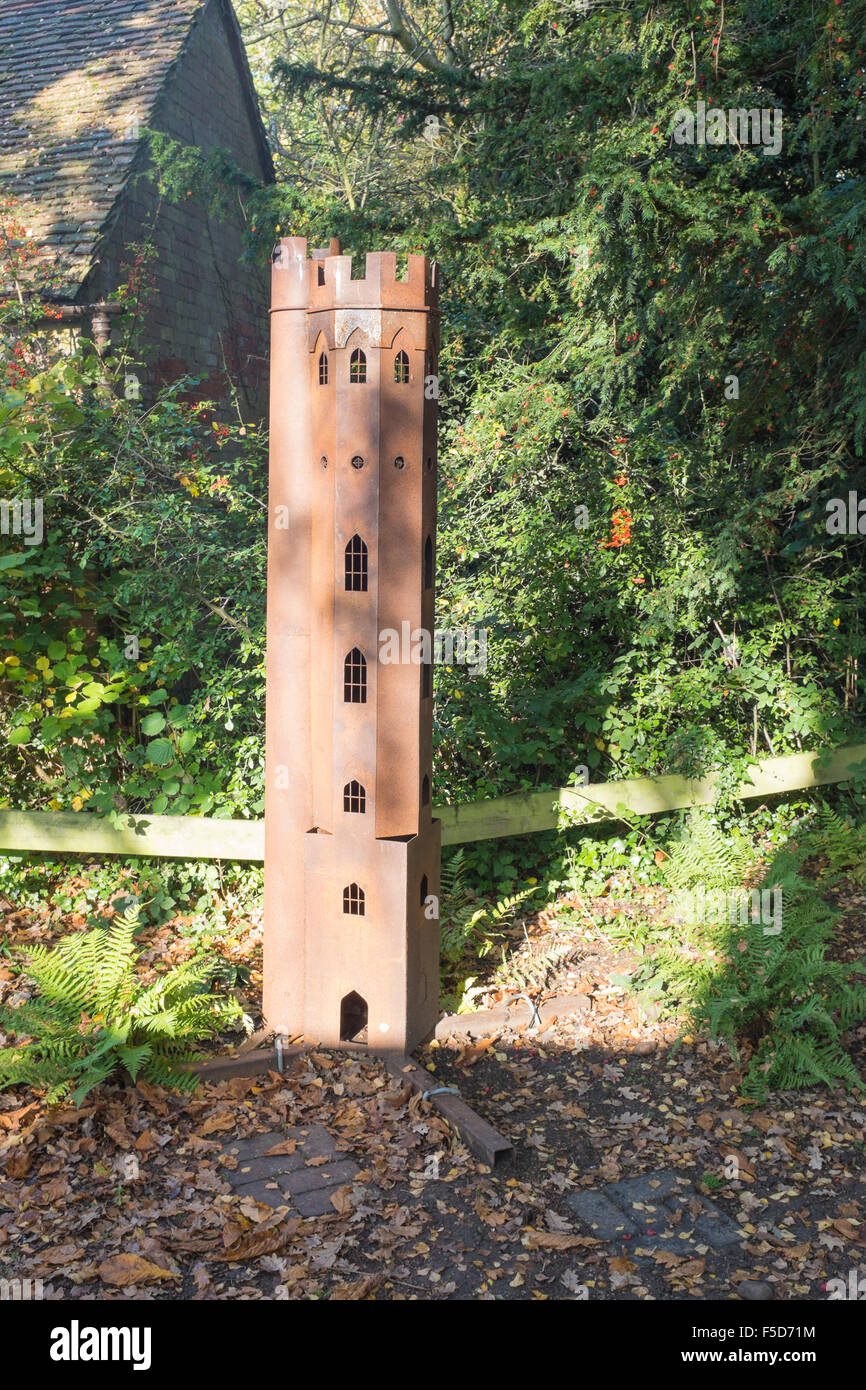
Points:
[353,464]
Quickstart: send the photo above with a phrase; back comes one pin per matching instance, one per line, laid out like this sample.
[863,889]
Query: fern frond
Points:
[92,1016]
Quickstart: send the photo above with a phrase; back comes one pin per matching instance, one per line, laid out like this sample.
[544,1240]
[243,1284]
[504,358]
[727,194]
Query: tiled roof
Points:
[75,78]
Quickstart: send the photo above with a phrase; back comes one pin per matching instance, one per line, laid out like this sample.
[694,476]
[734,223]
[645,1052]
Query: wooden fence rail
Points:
[524,813]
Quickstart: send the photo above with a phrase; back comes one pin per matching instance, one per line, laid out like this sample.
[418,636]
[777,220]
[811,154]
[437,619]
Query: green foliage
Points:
[775,995]
[596,859]
[92,1017]
[842,840]
[601,283]
[466,922]
[471,926]
[703,854]
[131,638]
[210,896]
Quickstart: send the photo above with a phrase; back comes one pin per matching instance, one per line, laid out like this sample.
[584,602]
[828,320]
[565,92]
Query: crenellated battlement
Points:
[322,279]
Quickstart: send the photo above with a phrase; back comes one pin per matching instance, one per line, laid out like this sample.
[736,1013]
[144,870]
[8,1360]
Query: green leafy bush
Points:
[470,927]
[93,1018]
[775,996]
[646,547]
[132,634]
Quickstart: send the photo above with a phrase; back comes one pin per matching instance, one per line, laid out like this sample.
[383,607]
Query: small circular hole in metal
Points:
[323,461]
[399,463]
[357,461]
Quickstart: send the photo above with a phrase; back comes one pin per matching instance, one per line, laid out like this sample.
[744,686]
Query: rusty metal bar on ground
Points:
[479,1137]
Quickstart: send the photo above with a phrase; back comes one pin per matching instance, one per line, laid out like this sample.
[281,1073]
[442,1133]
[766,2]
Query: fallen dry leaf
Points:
[555,1240]
[574,1112]
[120,1134]
[11,1119]
[202,1280]
[70,1117]
[468,1056]
[745,1168]
[555,1222]
[340,1200]
[847,1230]
[218,1122]
[394,1100]
[18,1164]
[61,1254]
[122,1270]
[251,1244]
[256,1211]
[52,1192]
[361,1288]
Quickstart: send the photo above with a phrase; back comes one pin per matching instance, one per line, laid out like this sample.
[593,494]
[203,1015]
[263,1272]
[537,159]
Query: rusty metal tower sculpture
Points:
[351,849]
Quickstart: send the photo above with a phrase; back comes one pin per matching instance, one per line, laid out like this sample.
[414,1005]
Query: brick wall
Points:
[208,312]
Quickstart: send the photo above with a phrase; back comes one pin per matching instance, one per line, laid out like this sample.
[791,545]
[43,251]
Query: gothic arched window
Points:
[358,366]
[401,368]
[354,798]
[323,369]
[355,678]
[356,565]
[354,900]
[353,1017]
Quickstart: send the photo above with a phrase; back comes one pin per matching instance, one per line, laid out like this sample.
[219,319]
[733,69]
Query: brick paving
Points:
[657,1211]
[298,1180]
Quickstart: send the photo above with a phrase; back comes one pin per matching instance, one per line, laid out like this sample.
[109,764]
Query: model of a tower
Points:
[351,850]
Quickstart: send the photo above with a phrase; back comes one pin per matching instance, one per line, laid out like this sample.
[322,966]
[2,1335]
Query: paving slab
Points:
[655,1211]
[649,1187]
[717,1229]
[270,1195]
[316,1203]
[302,1180]
[319,1143]
[265,1168]
[257,1145]
[606,1220]
[309,1179]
